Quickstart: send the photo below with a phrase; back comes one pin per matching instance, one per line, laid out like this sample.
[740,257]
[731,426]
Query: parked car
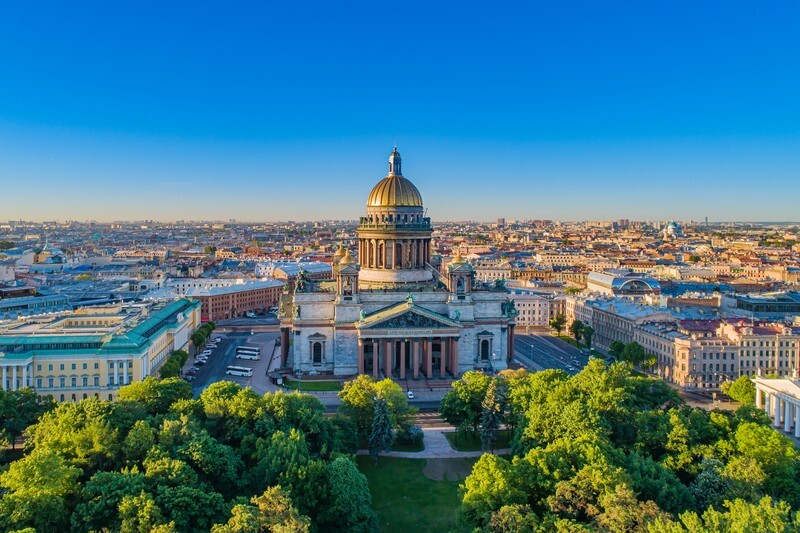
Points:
[206,352]
[194,368]
[201,362]
[211,346]
[410,395]
[189,378]
[191,372]
[217,339]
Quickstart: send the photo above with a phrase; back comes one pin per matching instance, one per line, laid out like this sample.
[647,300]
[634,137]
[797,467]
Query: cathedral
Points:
[395,309]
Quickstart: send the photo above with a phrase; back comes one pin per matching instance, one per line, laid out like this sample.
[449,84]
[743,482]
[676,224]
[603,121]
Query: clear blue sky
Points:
[288,110]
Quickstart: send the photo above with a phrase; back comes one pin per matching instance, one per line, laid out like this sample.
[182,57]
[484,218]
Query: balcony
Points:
[364,223]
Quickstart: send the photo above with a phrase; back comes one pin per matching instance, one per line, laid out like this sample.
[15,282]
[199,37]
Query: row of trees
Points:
[201,335]
[230,461]
[607,450]
[172,367]
[578,329]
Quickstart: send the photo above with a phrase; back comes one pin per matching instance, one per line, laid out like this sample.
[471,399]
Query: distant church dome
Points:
[394,190]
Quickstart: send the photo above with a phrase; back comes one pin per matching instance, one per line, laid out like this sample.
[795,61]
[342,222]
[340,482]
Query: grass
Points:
[467,442]
[402,447]
[405,500]
[570,340]
[313,386]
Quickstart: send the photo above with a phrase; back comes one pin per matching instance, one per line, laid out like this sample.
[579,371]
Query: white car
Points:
[410,395]
[211,346]
[217,339]
[206,352]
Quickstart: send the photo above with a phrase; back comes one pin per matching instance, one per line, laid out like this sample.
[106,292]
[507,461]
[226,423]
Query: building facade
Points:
[231,301]
[94,351]
[397,311]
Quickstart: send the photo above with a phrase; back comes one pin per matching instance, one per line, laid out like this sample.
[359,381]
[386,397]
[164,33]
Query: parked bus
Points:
[239,371]
[253,356]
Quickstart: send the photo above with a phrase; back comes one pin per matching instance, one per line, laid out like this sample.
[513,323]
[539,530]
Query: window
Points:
[61,366]
[38,383]
[96,366]
[485,349]
[62,381]
[74,381]
[39,368]
[73,366]
[97,381]
[317,353]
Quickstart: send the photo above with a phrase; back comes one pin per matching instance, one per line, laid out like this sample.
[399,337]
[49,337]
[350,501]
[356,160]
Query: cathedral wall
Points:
[346,341]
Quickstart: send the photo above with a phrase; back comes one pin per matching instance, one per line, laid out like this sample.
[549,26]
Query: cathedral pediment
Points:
[406,316]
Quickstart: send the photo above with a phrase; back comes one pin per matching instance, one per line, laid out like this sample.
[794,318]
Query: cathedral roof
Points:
[394,191]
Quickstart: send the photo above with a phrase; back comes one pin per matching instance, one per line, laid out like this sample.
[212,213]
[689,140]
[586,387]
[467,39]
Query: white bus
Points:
[239,371]
[248,352]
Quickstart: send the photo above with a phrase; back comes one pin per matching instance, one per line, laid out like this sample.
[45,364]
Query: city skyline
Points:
[641,113]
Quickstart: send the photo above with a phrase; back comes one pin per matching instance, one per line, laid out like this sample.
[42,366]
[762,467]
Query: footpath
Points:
[436,447]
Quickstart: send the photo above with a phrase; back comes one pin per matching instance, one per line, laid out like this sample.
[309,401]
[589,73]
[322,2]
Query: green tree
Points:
[462,406]
[490,418]
[382,434]
[576,328]
[743,390]
[18,410]
[272,512]
[616,349]
[350,502]
[588,333]
[558,323]
[490,486]
[633,353]
[359,400]
[766,516]
[156,395]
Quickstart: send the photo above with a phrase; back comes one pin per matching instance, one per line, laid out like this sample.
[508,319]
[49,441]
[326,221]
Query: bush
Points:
[410,434]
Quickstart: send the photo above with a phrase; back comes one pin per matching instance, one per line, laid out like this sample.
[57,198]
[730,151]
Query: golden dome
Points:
[347,259]
[394,191]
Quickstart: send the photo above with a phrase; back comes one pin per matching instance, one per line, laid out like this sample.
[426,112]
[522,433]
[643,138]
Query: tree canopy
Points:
[606,450]
[160,460]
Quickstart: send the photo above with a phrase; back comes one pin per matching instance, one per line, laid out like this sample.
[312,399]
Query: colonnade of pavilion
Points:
[16,376]
[784,410]
[395,356]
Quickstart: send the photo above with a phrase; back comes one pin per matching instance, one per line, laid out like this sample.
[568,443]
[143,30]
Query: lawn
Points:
[569,340]
[313,386]
[402,447]
[406,500]
[467,442]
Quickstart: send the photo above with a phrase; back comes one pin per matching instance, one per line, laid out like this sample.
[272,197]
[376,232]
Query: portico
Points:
[401,356]
[780,399]
[16,374]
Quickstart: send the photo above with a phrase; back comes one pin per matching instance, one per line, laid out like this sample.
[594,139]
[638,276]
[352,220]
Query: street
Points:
[539,352]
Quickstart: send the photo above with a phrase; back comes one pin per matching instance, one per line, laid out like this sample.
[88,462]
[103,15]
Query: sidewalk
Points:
[436,447]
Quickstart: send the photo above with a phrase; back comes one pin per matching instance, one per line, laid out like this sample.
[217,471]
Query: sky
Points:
[266,111]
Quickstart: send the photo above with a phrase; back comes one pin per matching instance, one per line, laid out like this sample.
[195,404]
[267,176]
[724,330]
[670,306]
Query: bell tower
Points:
[347,279]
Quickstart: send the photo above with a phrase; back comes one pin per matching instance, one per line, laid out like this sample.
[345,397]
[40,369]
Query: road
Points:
[539,352]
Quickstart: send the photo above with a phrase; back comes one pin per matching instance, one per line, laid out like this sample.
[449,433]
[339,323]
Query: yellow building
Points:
[94,351]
